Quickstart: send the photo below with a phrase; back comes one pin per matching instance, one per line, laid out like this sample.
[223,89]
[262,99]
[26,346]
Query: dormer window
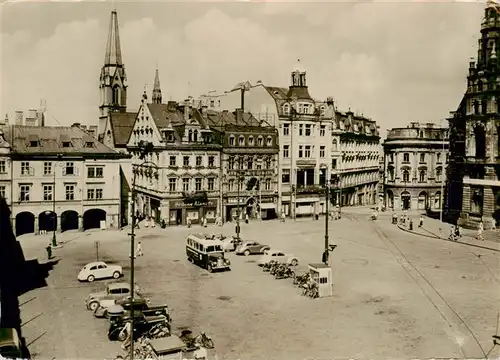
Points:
[286,109]
[89,144]
[34,143]
[231,140]
[260,141]
[195,136]
[190,135]
[269,141]
[170,137]
[241,140]
[322,110]
[251,141]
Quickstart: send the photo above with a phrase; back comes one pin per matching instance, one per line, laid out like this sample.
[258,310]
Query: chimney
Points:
[19,117]
[31,114]
[329,100]
[186,109]
[171,105]
[93,131]
[239,116]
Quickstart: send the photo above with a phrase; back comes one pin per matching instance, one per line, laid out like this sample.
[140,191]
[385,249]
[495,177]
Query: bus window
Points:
[210,248]
[218,248]
[201,248]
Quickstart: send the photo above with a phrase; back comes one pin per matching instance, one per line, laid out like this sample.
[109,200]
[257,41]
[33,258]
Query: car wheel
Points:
[247,252]
[294,262]
[122,335]
[264,250]
[209,268]
[91,278]
[93,305]
[116,275]
[106,314]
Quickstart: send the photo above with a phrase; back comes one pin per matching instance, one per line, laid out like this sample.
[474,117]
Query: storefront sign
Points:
[182,205]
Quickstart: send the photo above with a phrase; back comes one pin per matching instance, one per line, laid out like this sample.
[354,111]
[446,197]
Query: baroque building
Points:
[61,178]
[475,135]
[415,160]
[316,141]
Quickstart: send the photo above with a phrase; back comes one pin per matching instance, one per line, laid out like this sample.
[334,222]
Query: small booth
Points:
[321,274]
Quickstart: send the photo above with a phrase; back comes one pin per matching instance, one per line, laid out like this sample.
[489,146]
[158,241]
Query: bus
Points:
[206,253]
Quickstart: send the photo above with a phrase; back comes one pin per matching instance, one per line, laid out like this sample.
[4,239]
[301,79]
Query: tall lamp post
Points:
[54,216]
[238,184]
[145,148]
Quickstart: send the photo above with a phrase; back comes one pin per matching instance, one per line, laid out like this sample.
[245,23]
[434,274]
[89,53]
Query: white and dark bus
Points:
[206,253]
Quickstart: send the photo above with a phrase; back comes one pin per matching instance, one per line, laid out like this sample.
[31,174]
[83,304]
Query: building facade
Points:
[415,160]
[475,177]
[249,163]
[316,141]
[61,178]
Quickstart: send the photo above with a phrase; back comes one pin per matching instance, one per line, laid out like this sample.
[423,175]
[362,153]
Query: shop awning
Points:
[265,206]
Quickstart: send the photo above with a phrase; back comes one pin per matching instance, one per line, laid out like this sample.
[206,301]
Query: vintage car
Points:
[123,307]
[250,248]
[10,344]
[278,256]
[112,291]
[105,304]
[99,270]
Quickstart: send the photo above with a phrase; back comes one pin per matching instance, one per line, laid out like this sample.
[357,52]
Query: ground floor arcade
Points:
[415,198]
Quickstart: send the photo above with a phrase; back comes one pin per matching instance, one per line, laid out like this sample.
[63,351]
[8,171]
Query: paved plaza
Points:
[396,294]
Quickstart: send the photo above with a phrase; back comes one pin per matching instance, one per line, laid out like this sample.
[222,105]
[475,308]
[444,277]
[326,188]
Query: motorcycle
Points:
[205,341]
[302,279]
[275,268]
[310,289]
[284,273]
[202,340]
[152,327]
[268,266]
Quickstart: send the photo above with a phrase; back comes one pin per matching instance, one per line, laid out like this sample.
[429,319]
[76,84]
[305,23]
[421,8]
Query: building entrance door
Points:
[406,201]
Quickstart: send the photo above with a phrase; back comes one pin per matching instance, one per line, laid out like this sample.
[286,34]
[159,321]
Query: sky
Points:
[394,62]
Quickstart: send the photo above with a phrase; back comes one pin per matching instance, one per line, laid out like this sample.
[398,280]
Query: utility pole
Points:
[238,194]
[132,269]
[327,200]
[443,176]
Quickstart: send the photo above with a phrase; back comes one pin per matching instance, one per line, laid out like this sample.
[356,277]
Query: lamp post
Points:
[441,195]
[238,200]
[293,170]
[145,148]
[54,216]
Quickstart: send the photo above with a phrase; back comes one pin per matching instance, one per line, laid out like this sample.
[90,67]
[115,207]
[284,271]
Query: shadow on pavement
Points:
[17,276]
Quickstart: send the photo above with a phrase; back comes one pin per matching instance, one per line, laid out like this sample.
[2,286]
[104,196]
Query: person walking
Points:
[205,221]
[480,231]
[138,252]
[283,216]
[188,222]
[421,223]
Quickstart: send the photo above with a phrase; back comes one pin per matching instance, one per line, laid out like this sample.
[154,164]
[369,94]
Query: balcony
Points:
[309,189]
[305,162]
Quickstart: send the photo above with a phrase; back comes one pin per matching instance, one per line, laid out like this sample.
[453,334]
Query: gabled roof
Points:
[50,140]
[122,124]
[164,116]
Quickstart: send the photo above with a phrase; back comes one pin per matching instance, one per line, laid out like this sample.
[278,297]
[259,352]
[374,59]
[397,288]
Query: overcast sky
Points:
[396,62]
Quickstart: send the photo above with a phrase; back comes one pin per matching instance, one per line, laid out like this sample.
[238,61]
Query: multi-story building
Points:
[5,167]
[316,141]
[474,175]
[415,160]
[61,177]
[249,162]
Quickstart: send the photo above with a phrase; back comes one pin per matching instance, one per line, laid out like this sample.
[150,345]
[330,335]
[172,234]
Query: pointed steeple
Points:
[113,54]
[157,89]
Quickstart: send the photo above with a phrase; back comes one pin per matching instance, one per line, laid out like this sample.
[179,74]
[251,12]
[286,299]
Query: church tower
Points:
[112,82]
[157,89]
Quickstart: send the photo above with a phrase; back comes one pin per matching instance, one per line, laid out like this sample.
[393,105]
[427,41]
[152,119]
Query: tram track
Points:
[467,342]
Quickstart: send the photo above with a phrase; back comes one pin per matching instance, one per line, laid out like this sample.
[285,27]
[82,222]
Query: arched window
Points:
[421,176]
[231,140]
[390,173]
[334,144]
[437,200]
[480,140]
[406,176]
[241,140]
[476,205]
[260,141]
[190,135]
[286,109]
[250,141]
[322,110]
[116,95]
[195,136]
[269,141]
[421,135]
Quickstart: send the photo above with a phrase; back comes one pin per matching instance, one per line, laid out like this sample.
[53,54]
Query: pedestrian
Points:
[246,218]
[49,251]
[480,231]
[283,216]
[205,221]
[410,224]
[188,222]
[138,252]
[421,223]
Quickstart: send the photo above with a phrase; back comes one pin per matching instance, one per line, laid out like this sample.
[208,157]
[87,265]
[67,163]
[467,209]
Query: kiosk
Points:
[321,274]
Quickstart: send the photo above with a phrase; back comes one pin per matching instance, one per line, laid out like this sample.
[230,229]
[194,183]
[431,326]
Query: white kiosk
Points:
[321,274]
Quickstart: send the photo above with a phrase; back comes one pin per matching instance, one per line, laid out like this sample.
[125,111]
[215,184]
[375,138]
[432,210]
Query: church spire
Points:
[157,89]
[113,54]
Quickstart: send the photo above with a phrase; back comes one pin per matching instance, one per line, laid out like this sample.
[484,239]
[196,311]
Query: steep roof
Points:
[165,116]
[122,124]
[50,140]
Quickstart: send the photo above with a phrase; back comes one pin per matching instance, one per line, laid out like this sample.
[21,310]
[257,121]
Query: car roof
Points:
[94,263]
[117,285]
[275,251]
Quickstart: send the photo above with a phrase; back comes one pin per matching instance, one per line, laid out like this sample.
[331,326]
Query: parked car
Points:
[278,256]
[99,270]
[113,291]
[251,247]
[110,303]
[10,344]
[230,244]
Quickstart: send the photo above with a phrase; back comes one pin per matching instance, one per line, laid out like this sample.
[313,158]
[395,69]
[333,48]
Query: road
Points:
[396,295]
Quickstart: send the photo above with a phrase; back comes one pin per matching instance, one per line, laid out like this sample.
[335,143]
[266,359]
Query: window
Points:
[250,164]
[90,194]
[89,144]
[285,176]
[185,184]
[185,160]
[70,192]
[484,106]
[390,173]
[211,161]
[268,184]
[321,151]
[172,184]
[25,168]
[286,129]
[251,141]
[47,168]
[334,144]
[2,192]
[307,152]
[286,151]
[199,161]
[230,163]
[421,176]
[260,141]
[322,129]
[66,144]
[24,192]
[231,140]
[195,136]
[406,157]
[301,129]
[438,174]
[211,184]
[334,163]
[3,168]
[406,176]
[422,158]
[268,163]
[172,160]
[286,109]
[170,137]
[269,141]
[438,156]
[241,141]
[69,169]
[95,172]
[308,130]
[301,151]
[231,185]
[47,192]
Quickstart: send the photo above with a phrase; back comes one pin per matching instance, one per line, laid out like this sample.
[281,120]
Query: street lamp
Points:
[443,176]
[238,184]
[54,216]
[145,148]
